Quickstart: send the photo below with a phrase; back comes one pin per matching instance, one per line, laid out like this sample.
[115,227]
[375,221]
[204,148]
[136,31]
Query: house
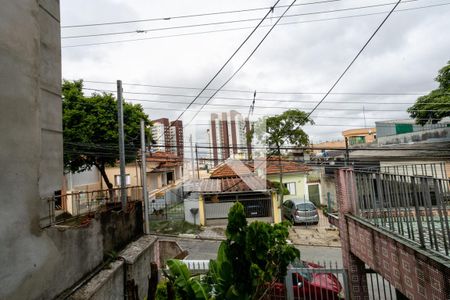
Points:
[295,179]
[230,182]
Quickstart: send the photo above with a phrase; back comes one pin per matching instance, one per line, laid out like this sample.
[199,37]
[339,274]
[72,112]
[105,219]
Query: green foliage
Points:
[186,286]
[433,107]
[248,261]
[284,129]
[90,129]
[280,188]
[161,291]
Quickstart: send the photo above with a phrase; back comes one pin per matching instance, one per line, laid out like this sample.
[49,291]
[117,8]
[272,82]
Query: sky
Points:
[292,68]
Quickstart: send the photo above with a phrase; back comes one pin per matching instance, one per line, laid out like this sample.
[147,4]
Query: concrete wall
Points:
[119,229]
[440,134]
[132,267]
[31,146]
[138,256]
[107,284]
[191,202]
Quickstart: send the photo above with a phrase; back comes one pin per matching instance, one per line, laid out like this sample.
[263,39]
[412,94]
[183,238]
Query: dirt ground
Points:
[321,234]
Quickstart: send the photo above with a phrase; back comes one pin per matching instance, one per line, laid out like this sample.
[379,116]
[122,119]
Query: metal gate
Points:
[169,207]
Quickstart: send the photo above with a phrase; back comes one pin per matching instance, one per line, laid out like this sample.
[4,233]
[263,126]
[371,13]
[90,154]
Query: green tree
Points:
[90,130]
[249,262]
[433,107]
[283,130]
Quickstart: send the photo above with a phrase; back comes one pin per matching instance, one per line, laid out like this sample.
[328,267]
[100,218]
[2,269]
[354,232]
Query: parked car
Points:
[312,285]
[300,211]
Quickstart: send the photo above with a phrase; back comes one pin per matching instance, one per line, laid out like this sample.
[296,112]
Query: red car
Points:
[311,285]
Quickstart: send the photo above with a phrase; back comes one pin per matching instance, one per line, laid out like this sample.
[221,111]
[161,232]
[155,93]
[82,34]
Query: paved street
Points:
[206,249]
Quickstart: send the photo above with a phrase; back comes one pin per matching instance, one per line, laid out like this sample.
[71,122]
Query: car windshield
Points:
[305,206]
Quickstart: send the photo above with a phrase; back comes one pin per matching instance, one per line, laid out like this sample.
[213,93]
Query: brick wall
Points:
[411,270]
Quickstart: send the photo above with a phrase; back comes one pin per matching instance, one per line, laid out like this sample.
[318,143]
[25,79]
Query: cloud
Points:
[403,57]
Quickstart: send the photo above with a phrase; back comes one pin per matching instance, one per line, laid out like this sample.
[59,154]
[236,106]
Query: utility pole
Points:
[347,155]
[144,176]
[123,195]
[192,157]
[196,158]
[209,150]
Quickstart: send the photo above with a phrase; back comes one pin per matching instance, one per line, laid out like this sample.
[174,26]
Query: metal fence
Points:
[414,207]
[314,281]
[379,288]
[75,204]
[260,207]
[168,207]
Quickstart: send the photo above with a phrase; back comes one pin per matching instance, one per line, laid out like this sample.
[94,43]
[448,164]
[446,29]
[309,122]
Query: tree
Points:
[283,130]
[90,130]
[433,107]
[249,262]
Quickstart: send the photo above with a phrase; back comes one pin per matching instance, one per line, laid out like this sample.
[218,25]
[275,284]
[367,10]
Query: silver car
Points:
[300,211]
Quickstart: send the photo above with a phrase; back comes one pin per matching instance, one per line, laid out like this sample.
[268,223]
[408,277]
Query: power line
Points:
[249,99]
[266,99]
[227,22]
[283,107]
[312,148]
[226,63]
[248,27]
[231,57]
[245,91]
[245,61]
[189,16]
[354,59]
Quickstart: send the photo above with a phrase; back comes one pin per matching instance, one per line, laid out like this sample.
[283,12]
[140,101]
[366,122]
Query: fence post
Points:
[418,216]
[289,285]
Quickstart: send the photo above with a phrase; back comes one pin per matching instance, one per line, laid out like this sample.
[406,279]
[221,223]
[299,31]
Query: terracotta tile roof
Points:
[163,157]
[232,169]
[229,185]
[273,166]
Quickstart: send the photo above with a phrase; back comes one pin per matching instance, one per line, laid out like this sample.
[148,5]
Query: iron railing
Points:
[75,204]
[414,207]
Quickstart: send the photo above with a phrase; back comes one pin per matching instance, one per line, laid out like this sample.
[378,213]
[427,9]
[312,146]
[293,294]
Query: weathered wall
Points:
[107,284]
[31,143]
[132,269]
[441,134]
[119,229]
[138,256]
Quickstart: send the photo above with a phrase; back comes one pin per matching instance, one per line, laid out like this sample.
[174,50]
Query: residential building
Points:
[360,136]
[168,136]
[229,136]
[230,182]
[295,179]
[407,131]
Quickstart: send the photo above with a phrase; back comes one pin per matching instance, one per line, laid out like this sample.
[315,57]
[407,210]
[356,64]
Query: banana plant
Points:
[186,286]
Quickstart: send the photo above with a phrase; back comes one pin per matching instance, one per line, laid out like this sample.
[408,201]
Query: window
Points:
[127,179]
[354,140]
[291,188]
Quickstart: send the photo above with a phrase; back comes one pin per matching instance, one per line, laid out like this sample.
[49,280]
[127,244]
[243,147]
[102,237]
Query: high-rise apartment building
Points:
[168,136]
[229,136]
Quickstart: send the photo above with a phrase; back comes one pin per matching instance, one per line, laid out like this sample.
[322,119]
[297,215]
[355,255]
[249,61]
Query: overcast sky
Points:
[305,57]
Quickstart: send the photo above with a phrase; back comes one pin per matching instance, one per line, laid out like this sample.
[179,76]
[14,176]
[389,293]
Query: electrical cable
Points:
[226,22]
[189,16]
[355,58]
[245,61]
